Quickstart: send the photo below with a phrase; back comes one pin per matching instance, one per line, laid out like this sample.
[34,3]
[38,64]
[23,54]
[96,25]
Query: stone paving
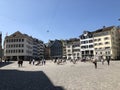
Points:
[69,76]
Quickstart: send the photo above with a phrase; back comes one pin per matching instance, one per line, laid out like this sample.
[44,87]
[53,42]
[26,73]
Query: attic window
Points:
[14,35]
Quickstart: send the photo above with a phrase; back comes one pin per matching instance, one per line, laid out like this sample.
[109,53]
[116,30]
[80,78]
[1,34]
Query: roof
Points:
[104,29]
[18,34]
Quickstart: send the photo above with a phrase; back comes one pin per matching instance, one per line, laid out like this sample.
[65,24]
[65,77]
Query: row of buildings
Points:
[101,43]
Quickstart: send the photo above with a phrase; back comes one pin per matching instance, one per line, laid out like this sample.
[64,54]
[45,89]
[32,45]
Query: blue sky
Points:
[63,19]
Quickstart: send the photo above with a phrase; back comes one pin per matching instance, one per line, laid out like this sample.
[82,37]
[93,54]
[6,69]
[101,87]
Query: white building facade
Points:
[87,45]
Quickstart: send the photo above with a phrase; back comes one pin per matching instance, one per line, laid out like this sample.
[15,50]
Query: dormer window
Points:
[14,35]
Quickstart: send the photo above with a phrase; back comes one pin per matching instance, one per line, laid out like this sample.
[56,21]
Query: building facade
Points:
[55,49]
[38,49]
[20,46]
[106,43]
[46,51]
[73,49]
[87,45]
[64,43]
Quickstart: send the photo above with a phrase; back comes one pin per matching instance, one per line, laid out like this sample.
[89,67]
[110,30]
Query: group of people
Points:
[102,60]
[43,62]
[58,61]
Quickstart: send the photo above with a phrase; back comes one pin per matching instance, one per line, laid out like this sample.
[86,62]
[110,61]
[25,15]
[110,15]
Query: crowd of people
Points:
[60,61]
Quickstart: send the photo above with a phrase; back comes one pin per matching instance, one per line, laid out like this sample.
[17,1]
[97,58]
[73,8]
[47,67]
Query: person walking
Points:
[43,61]
[33,61]
[108,61]
[102,60]
[94,62]
[18,63]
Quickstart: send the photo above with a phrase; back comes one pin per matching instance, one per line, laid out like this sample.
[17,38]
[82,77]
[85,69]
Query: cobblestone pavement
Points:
[69,76]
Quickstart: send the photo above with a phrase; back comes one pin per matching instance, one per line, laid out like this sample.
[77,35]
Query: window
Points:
[99,39]
[107,42]
[95,44]
[22,40]
[19,50]
[22,51]
[16,40]
[95,48]
[90,41]
[90,46]
[11,40]
[68,46]
[11,46]
[107,47]
[95,39]
[7,40]
[68,50]
[106,52]
[19,40]
[96,53]
[82,52]
[106,38]
[100,43]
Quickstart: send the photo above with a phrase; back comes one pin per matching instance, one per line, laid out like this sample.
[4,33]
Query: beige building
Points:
[21,46]
[18,46]
[73,49]
[106,43]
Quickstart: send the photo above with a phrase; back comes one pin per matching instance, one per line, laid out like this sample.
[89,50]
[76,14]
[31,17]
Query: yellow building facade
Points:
[106,43]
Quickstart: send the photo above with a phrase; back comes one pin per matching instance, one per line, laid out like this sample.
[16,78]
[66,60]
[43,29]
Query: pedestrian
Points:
[108,61]
[30,61]
[21,62]
[102,60]
[95,62]
[18,63]
[43,61]
[33,61]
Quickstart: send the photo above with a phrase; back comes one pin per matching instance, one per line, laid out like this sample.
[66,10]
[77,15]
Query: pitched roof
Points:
[18,34]
[104,29]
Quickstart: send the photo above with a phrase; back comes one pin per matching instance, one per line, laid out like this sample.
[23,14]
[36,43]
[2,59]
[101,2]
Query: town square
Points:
[66,76]
[59,45]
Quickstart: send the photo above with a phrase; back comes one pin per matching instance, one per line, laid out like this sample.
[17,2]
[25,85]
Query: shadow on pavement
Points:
[2,64]
[25,80]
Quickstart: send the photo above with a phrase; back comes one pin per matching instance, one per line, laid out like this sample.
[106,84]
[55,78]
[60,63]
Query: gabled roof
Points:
[52,42]
[18,34]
